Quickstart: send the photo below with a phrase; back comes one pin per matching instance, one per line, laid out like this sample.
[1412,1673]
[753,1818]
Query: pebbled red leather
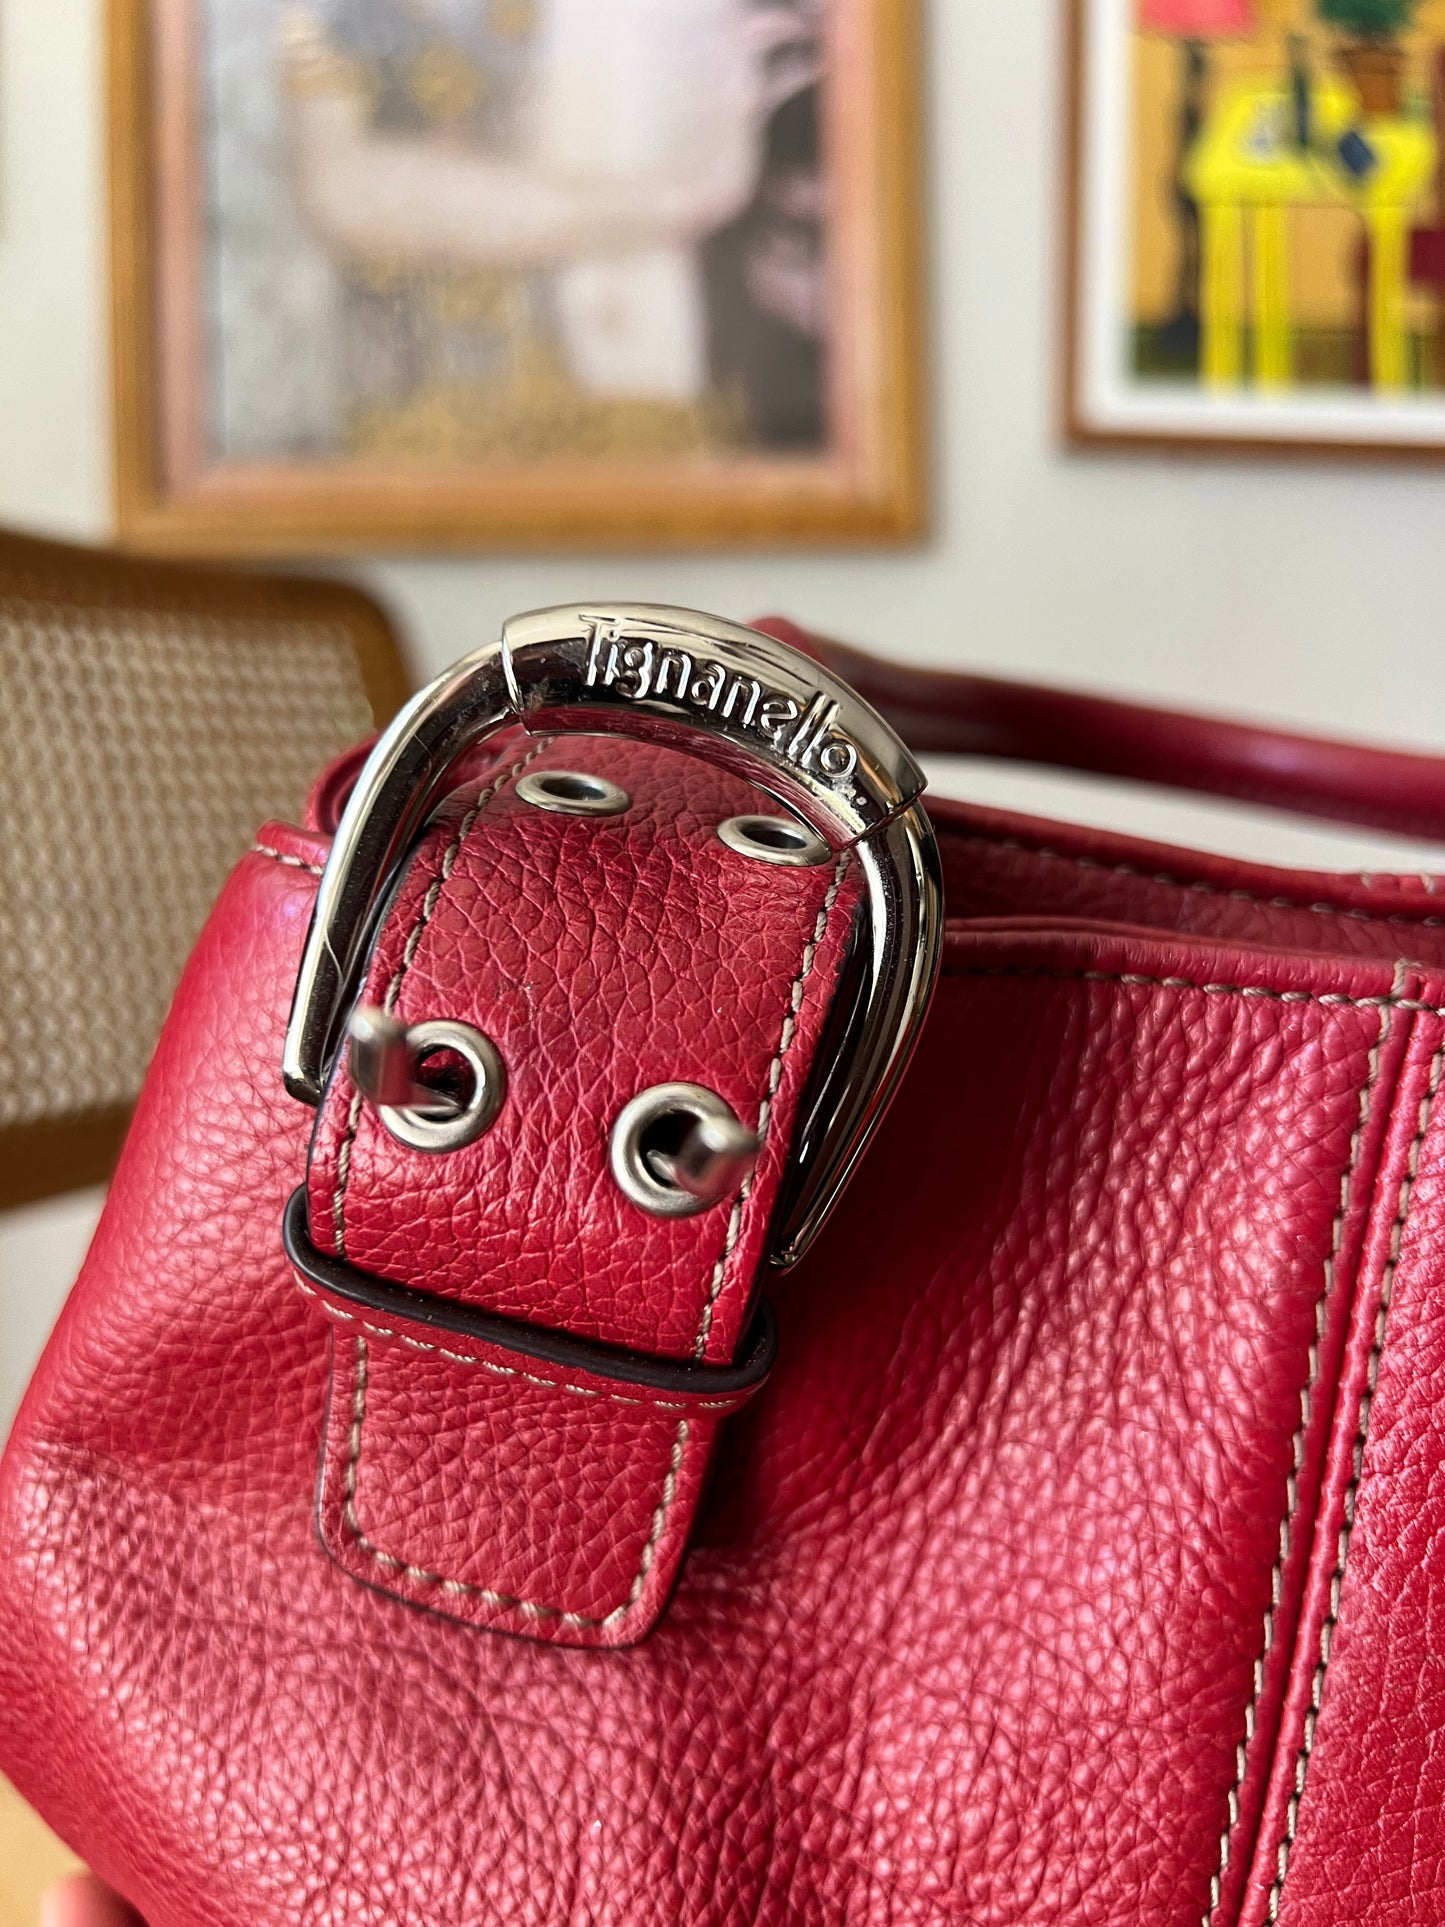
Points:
[602,956]
[1078,1564]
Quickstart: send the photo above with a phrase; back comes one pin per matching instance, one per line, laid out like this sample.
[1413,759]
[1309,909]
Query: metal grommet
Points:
[572,792]
[450,1129]
[774,839]
[678,1149]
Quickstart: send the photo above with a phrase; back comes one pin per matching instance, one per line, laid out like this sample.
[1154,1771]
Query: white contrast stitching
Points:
[291,862]
[424,916]
[506,1602]
[765,1109]
[515,1371]
[669,1485]
[1198,886]
[1347,1519]
[343,1169]
[1297,1452]
[1328,1000]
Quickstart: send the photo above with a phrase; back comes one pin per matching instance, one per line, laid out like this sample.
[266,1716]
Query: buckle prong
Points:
[385,1065]
[385,1060]
[713,1159]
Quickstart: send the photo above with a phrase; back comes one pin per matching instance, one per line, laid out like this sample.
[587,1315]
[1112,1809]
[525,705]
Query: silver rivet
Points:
[572,792]
[774,839]
[385,1063]
[677,1149]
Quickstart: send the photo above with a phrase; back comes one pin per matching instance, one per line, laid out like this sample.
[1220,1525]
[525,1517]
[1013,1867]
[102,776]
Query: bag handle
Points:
[962,714]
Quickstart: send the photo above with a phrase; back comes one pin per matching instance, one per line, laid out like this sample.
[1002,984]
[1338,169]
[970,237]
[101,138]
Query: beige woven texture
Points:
[139,752]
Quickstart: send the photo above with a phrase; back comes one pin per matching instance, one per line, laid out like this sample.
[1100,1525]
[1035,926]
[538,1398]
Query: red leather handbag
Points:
[491,1471]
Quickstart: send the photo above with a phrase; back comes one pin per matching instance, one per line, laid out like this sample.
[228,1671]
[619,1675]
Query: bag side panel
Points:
[973,1625]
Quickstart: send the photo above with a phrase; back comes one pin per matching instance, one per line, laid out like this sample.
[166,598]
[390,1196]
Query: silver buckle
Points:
[711,689]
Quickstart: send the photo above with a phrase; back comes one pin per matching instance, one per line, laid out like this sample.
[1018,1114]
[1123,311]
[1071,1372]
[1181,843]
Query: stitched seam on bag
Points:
[1357,1464]
[281,856]
[427,910]
[669,1484]
[499,1601]
[765,1109]
[515,1371]
[1297,1452]
[1327,999]
[505,1601]
[1199,887]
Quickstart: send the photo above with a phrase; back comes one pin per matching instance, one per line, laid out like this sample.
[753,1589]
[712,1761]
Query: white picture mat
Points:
[1109,397]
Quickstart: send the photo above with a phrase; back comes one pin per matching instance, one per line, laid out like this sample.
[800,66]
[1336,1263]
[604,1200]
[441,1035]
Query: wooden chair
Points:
[151,717]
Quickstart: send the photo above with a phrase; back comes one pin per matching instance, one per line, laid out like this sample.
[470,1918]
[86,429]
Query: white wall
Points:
[1309,593]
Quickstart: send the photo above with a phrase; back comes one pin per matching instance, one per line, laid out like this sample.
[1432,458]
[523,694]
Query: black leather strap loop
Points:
[557,1349]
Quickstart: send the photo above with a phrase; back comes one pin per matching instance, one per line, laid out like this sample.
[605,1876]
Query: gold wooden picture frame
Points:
[420,276]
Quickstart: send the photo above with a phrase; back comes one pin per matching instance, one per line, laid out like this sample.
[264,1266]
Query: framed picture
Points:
[472,273]
[1258,224]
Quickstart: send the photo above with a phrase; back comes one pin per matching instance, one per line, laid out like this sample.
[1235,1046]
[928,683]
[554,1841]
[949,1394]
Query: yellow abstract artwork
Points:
[1260,222]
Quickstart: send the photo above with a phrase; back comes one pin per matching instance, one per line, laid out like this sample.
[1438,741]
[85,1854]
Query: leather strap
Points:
[472,1467]
[966,715]
[462,1471]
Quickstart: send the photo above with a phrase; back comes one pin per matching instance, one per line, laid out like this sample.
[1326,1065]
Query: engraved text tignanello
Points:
[643,667]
